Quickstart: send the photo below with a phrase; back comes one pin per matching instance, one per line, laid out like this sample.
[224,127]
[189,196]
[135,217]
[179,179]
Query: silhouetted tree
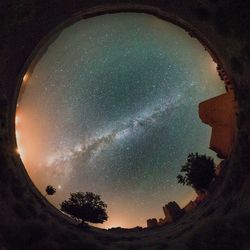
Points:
[50,190]
[199,170]
[85,207]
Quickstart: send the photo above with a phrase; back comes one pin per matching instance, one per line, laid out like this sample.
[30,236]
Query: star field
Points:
[112,107]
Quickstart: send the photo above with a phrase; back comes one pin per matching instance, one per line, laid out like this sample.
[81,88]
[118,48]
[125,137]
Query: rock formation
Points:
[219,113]
[190,207]
[172,212]
[151,223]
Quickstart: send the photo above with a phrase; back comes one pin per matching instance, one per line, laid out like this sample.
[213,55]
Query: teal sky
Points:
[113,109]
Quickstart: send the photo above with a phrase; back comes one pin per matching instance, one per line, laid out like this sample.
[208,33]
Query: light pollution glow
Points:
[86,122]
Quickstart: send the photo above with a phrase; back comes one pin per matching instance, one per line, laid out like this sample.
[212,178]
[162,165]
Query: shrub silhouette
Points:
[199,171]
[50,190]
[85,207]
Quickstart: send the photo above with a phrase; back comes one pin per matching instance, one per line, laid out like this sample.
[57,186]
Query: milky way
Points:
[112,107]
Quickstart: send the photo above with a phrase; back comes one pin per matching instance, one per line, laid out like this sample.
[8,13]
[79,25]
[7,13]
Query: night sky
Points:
[112,108]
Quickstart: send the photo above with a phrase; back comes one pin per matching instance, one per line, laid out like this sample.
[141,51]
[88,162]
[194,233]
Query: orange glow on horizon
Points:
[21,152]
[25,78]
[17,120]
[20,149]
[17,135]
[214,66]
[30,147]
[117,222]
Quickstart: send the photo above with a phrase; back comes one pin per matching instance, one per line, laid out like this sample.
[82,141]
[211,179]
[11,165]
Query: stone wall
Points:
[220,113]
